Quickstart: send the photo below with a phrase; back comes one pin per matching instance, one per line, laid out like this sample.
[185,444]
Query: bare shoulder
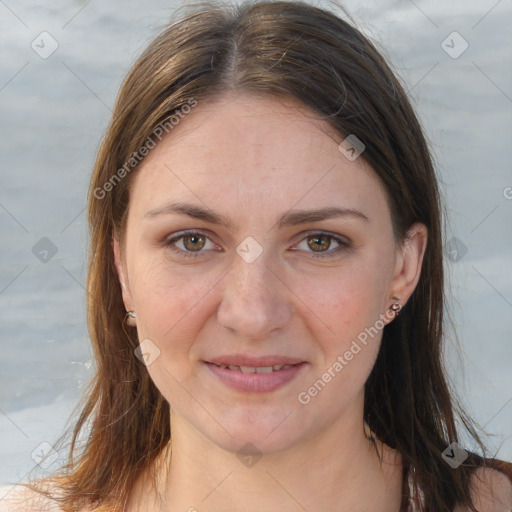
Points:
[18,498]
[491,490]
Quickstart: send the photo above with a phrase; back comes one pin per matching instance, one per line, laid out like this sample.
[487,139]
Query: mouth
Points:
[255,369]
[255,375]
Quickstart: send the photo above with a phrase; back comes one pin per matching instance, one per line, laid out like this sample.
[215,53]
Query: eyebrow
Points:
[291,218]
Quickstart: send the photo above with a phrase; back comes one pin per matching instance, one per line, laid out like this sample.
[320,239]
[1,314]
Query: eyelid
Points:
[313,232]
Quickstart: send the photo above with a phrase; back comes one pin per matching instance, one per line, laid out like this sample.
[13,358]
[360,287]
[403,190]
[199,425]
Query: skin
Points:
[252,159]
[314,457]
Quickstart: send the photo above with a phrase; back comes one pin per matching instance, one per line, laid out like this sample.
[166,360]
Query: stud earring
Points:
[396,306]
[131,318]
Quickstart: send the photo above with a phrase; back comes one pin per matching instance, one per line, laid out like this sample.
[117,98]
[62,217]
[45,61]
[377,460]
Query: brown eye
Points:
[191,244]
[194,242]
[323,245]
[319,243]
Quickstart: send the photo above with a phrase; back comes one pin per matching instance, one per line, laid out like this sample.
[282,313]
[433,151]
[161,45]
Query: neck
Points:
[330,472]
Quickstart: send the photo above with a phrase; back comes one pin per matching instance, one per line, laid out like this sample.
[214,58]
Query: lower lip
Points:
[255,382]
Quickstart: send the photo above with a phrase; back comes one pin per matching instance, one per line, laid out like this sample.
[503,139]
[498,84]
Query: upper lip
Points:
[255,362]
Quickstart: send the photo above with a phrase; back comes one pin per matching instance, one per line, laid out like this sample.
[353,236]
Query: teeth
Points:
[256,369]
[247,369]
[264,369]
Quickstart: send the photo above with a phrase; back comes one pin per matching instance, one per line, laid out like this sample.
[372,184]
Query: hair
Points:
[287,50]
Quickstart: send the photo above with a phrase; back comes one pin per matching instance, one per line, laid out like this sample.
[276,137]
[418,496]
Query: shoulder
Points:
[18,498]
[491,490]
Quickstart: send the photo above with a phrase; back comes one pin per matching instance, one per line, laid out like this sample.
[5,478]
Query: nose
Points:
[255,300]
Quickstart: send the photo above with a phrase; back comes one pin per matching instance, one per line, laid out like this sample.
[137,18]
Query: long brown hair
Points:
[283,49]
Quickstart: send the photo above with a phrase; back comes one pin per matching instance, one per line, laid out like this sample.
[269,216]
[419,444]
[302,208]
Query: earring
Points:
[396,307]
[131,318]
[368,432]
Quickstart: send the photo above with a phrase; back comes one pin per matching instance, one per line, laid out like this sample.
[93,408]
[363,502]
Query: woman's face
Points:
[252,240]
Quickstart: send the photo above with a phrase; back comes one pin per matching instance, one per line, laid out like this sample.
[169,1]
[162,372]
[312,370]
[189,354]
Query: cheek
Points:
[165,297]
[347,325]
[170,309]
[345,309]
[343,301]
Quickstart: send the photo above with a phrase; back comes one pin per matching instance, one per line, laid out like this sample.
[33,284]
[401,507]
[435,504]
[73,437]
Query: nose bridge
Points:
[254,281]
[253,302]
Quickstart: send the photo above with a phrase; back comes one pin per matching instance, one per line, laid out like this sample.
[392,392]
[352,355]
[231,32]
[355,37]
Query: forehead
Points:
[257,154]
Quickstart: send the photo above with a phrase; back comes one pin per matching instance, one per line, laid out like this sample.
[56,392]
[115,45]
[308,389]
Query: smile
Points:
[255,379]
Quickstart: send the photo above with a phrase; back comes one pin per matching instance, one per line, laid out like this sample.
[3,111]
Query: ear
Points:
[121,273]
[408,263]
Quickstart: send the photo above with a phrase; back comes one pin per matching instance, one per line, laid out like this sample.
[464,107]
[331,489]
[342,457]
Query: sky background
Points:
[455,61]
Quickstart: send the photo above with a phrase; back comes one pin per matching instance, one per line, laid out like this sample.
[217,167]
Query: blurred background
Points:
[60,70]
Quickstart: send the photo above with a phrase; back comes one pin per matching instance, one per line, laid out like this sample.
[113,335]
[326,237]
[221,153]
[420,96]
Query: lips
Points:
[255,374]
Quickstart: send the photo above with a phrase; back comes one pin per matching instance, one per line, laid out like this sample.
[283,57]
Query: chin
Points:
[253,442]
[269,431]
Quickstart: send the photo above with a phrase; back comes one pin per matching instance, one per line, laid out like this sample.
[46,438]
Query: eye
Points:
[194,243]
[322,245]
[189,243]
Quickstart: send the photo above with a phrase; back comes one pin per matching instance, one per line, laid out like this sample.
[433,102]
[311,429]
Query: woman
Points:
[265,286]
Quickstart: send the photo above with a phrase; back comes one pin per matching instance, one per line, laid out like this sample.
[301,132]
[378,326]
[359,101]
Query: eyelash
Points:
[343,245]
